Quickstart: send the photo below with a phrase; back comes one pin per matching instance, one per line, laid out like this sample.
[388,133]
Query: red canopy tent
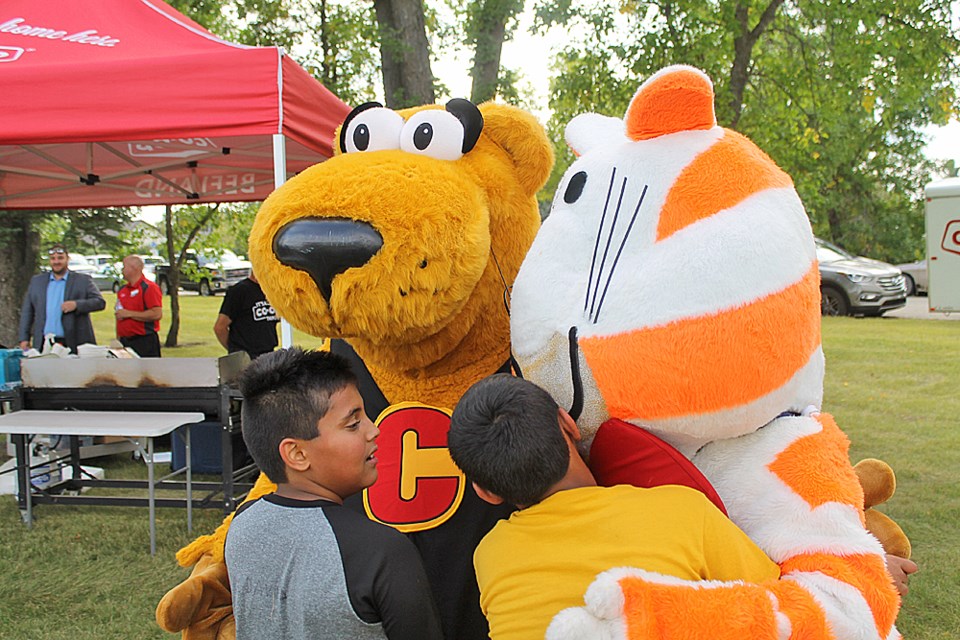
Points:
[128,102]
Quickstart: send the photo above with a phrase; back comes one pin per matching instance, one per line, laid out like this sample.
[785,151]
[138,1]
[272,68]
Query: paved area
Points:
[918,309]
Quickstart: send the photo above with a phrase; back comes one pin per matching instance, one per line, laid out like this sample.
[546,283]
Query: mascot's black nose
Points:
[326,247]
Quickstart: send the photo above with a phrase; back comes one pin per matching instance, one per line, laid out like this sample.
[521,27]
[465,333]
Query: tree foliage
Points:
[342,53]
[89,231]
[335,41]
[487,24]
[836,92]
[251,22]
[206,229]
[347,45]
[182,225]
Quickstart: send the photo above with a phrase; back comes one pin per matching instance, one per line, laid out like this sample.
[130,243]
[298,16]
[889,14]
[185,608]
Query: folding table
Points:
[140,426]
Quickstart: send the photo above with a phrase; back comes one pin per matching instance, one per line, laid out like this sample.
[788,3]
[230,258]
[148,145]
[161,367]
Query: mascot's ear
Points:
[523,139]
[470,117]
[676,98]
[591,130]
[337,136]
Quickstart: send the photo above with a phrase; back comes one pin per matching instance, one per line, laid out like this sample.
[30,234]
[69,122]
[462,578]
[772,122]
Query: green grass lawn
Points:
[195,338]
[892,384]
[894,387]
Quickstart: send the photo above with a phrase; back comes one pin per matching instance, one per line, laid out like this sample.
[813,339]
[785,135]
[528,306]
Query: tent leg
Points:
[279,177]
[286,334]
[279,159]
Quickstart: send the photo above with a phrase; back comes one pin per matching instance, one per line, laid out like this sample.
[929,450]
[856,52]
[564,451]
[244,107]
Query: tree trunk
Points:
[173,281]
[404,53]
[328,69]
[743,54]
[176,262]
[489,30]
[835,220]
[19,245]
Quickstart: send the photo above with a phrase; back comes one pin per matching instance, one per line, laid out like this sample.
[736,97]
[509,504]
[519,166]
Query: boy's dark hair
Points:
[285,394]
[505,436]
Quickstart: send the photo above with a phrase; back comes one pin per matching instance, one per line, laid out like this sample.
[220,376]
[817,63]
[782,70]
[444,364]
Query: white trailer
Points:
[943,245]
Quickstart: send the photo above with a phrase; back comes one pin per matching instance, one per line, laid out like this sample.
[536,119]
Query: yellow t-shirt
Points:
[542,559]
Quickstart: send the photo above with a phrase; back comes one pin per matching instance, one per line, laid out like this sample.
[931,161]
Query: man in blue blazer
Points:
[59,302]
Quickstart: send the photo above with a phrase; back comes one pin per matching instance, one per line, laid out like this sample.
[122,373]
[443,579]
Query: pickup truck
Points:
[206,275]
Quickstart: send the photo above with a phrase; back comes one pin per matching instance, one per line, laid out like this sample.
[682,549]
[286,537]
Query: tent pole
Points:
[279,177]
[279,159]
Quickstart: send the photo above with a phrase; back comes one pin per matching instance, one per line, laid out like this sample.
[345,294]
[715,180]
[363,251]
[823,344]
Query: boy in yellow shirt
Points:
[518,446]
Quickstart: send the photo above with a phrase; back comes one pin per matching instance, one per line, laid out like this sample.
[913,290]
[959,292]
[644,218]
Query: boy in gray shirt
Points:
[300,564]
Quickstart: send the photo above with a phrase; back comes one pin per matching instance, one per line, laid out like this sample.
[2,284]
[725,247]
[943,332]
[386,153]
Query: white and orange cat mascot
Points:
[674,291]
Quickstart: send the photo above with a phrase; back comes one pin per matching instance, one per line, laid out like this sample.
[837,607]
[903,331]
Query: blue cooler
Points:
[10,368]
[205,448]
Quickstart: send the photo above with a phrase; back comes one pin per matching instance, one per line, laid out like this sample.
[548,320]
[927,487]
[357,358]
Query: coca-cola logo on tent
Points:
[18,27]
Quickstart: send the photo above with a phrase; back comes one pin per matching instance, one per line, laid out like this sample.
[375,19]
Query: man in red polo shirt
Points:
[139,309]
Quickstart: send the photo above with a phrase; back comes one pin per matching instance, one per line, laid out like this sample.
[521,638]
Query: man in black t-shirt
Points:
[247,322]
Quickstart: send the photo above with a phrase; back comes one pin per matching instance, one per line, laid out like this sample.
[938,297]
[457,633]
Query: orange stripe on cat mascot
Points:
[675,287]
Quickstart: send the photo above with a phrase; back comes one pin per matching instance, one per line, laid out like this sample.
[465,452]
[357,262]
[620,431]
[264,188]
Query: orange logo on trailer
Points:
[951,237]
[419,487]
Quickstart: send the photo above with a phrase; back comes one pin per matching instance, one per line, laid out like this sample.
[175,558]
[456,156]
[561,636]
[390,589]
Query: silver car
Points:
[915,277]
[851,285]
[107,278]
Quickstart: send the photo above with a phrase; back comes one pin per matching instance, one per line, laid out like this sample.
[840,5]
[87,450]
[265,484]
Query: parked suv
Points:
[207,275]
[851,285]
[915,277]
[79,264]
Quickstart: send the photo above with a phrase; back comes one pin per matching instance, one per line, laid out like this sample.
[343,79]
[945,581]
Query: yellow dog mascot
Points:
[401,248]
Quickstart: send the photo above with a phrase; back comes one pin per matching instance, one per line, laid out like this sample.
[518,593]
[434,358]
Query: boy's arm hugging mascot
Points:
[400,248]
[673,293]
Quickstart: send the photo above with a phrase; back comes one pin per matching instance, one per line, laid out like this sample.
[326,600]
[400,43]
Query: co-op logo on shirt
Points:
[263,310]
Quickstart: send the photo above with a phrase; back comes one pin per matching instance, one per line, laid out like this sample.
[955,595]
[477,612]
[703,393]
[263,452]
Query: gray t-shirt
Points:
[313,569]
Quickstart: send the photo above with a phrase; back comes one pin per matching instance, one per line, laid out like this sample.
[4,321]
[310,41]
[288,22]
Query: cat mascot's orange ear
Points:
[675,99]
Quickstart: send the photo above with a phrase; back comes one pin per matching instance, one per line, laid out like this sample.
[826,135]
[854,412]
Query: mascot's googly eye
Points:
[444,135]
[370,127]
[433,133]
[575,187]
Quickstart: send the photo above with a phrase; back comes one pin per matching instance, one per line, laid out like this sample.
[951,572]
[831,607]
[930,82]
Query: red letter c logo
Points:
[418,487]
